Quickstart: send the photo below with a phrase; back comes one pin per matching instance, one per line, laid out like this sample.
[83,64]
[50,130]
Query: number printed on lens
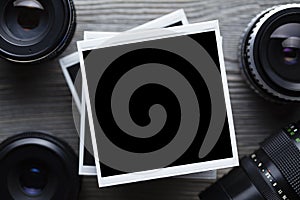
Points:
[157,104]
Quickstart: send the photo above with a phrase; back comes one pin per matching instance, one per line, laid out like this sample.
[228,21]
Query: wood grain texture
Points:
[36,97]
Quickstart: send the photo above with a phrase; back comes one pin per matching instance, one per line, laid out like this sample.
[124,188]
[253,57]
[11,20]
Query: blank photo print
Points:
[158,106]
[71,70]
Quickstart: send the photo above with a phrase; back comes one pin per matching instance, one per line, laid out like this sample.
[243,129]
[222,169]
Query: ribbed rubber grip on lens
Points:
[258,180]
[286,156]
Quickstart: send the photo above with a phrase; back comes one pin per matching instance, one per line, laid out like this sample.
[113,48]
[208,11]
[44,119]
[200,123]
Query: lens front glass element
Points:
[25,19]
[284,51]
[33,180]
[282,59]
[29,13]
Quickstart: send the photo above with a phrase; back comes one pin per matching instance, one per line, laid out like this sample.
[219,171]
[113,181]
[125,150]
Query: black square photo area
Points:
[160,104]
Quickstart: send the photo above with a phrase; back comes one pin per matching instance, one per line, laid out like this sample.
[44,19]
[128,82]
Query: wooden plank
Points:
[37,97]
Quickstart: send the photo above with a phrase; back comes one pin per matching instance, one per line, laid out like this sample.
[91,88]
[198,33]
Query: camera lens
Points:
[270,173]
[270,53]
[35,30]
[38,166]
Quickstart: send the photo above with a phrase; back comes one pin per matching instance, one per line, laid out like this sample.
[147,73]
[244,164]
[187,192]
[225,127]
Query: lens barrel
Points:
[270,53]
[270,173]
[38,166]
[32,31]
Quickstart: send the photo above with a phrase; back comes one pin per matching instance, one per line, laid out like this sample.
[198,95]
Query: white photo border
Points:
[175,170]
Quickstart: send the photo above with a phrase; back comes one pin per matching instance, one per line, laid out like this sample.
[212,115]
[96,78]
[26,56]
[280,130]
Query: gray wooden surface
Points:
[37,97]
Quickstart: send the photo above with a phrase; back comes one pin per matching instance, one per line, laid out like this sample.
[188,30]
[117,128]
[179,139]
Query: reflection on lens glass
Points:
[290,55]
[33,181]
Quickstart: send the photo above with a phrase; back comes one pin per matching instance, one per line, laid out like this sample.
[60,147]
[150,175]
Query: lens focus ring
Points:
[286,156]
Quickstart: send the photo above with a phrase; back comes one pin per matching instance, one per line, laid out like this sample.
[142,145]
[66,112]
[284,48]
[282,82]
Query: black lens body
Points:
[35,30]
[270,53]
[270,173]
[38,166]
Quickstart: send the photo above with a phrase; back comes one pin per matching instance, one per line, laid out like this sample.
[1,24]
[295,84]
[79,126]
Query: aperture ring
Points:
[259,182]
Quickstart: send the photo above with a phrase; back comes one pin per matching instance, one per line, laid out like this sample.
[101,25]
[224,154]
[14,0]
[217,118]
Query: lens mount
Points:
[35,30]
[270,53]
[38,166]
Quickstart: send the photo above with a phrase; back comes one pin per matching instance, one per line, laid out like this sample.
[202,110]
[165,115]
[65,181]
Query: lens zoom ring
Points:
[286,156]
